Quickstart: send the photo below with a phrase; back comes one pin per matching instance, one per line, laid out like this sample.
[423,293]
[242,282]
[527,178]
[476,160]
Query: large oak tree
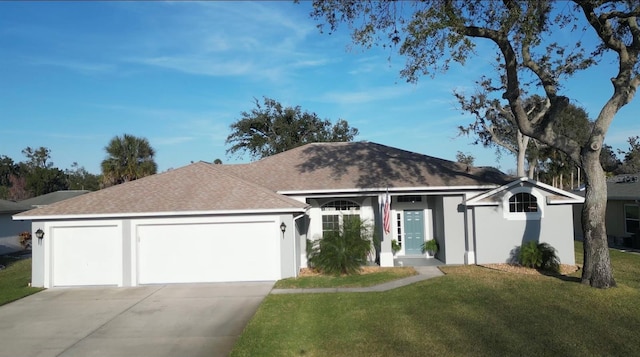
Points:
[271,128]
[432,34]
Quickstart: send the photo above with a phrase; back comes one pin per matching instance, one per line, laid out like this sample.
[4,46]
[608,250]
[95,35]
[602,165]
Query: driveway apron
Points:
[157,320]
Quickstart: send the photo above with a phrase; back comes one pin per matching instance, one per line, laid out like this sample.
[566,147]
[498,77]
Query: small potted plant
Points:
[430,247]
[25,240]
[395,246]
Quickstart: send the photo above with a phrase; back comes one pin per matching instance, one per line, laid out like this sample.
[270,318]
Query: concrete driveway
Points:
[159,320]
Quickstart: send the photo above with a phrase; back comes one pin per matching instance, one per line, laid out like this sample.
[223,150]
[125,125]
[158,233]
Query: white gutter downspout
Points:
[295,267]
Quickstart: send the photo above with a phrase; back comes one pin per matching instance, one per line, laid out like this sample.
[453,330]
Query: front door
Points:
[413,232]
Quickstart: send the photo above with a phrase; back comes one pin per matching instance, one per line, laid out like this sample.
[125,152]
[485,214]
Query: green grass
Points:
[14,279]
[471,311]
[346,281]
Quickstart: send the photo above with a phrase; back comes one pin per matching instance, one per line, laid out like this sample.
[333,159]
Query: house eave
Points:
[378,190]
[122,215]
[564,201]
[568,197]
[488,203]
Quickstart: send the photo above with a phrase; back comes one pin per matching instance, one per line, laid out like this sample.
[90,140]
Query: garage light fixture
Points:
[40,233]
[283,228]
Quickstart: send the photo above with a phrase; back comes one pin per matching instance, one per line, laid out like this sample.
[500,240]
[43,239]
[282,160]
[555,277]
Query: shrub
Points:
[25,239]
[343,251]
[395,246]
[550,260]
[430,246]
[539,256]
[309,248]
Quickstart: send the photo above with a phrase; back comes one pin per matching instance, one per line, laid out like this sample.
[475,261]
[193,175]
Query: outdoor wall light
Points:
[283,227]
[40,233]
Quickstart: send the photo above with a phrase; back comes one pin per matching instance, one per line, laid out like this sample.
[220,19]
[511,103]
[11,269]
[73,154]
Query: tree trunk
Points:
[523,142]
[533,163]
[597,270]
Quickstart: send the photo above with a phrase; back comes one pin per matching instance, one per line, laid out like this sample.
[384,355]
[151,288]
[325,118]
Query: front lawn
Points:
[470,311]
[14,279]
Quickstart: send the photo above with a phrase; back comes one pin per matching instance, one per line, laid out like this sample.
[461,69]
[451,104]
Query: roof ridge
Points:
[413,152]
[283,198]
[316,143]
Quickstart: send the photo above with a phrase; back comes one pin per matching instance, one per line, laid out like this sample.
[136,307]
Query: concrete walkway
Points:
[424,273]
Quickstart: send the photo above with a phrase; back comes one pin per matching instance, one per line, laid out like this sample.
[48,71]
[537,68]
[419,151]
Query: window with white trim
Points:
[399,228]
[631,218]
[409,199]
[335,213]
[523,202]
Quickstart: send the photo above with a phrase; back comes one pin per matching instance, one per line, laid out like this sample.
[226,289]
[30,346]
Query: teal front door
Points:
[413,232]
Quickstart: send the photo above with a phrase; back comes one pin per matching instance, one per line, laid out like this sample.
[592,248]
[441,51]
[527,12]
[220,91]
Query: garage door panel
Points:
[211,252]
[86,255]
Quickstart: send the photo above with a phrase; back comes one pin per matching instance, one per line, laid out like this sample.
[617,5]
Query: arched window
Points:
[341,205]
[523,202]
[335,213]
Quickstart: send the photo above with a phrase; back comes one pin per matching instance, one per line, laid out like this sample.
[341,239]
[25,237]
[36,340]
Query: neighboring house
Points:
[51,198]
[9,229]
[245,222]
[622,217]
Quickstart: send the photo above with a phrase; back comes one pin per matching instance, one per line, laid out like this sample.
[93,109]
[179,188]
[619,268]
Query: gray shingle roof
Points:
[12,207]
[252,187]
[358,165]
[196,187]
[52,197]
[624,187]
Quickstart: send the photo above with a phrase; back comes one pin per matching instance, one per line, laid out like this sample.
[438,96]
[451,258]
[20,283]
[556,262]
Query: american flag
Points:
[386,215]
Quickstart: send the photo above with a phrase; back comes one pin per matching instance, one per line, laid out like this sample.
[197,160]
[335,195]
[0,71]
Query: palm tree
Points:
[129,158]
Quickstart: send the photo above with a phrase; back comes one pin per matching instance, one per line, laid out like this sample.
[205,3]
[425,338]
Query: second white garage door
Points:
[208,252]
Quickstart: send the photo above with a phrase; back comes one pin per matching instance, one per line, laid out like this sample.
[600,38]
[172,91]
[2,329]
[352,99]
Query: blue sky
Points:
[75,74]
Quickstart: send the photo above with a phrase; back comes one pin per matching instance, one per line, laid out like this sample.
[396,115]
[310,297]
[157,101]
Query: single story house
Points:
[249,222]
[622,217]
[10,229]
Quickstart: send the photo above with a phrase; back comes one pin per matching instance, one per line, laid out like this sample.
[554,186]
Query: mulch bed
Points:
[509,268]
[519,269]
[363,270]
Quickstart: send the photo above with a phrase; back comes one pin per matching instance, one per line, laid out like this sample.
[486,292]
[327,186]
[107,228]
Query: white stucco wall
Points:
[497,236]
[453,231]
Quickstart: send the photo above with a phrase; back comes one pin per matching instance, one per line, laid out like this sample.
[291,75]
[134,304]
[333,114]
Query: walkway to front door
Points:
[413,232]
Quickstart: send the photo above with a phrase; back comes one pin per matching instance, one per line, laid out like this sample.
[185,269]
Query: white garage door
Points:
[211,252]
[86,255]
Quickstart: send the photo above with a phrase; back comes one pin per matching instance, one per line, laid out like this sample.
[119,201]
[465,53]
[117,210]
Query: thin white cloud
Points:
[310,63]
[371,64]
[75,65]
[172,140]
[199,66]
[251,39]
[52,134]
[360,97]
[617,137]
